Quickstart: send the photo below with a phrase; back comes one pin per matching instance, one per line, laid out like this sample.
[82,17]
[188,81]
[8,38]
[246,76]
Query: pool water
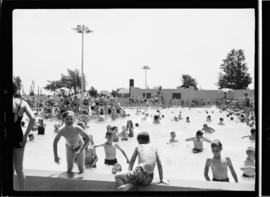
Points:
[177,159]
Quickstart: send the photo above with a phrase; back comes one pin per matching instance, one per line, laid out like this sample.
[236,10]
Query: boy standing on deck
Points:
[75,145]
[219,165]
[143,174]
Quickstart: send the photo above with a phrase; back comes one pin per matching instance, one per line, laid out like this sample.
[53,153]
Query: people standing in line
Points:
[20,107]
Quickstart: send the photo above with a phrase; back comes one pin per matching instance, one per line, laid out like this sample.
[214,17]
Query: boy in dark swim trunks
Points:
[143,174]
[110,149]
[219,165]
[198,141]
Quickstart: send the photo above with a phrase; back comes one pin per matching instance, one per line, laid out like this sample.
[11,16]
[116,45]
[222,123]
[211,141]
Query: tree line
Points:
[234,75]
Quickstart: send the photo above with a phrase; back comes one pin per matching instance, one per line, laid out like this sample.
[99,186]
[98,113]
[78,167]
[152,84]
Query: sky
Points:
[172,42]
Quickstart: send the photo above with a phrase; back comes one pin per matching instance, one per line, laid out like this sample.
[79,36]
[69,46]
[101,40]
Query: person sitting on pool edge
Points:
[198,141]
[219,165]
[143,174]
[75,145]
[110,149]
[207,129]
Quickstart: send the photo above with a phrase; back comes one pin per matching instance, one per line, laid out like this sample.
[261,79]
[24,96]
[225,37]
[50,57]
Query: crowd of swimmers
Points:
[81,149]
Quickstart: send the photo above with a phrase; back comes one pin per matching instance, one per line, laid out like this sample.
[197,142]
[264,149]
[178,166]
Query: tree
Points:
[115,93]
[234,73]
[72,81]
[93,92]
[53,85]
[188,81]
[18,82]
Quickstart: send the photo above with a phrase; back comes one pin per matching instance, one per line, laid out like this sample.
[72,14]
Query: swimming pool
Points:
[177,159]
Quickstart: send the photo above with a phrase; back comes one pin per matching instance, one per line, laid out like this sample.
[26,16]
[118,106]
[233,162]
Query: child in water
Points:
[85,118]
[187,119]
[173,136]
[130,128]
[251,137]
[180,116]
[157,118]
[90,157]
[75,145]
[221,122]
[124,134]
[249,164]
[207,129]
[110,149]
[219,165]
[115,133]
[198,141]
[208,118]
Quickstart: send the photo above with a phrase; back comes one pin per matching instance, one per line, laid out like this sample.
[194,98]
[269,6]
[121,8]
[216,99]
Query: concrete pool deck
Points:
[42,180]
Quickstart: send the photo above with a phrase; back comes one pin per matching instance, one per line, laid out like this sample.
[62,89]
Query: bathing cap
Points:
[250,149]
[67,113]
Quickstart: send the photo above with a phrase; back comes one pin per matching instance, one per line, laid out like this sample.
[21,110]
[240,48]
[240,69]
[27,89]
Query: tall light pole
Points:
[145,69]
[82,30]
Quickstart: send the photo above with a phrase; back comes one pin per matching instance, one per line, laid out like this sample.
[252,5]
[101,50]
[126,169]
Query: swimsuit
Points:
[17,130]
[221,180]
[75,148]
[41,130]
[110,161]
[138,176]
[196,150]
[249,176]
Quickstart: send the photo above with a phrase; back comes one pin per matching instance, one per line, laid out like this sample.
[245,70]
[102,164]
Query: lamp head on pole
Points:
[146,67]
[82,29]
